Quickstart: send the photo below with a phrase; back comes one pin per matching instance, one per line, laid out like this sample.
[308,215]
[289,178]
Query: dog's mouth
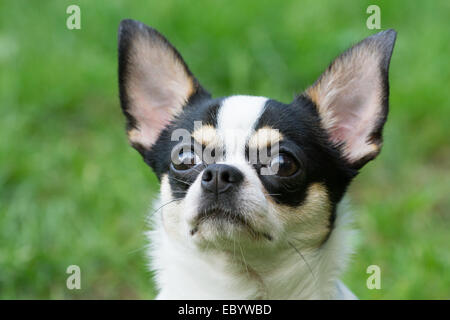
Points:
[219,216]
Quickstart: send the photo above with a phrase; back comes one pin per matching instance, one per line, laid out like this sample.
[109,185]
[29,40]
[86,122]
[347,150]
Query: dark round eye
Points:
[283,165]
[186,160]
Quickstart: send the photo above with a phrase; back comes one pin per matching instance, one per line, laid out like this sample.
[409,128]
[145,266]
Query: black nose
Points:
[219,178]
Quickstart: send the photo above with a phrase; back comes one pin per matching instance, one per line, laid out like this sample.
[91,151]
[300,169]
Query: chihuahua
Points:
[250,205]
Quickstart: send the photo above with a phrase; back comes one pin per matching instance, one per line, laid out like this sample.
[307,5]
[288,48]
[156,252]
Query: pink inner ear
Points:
[153,108]
[158,87]
[151,125]
[356,110]
[349,103]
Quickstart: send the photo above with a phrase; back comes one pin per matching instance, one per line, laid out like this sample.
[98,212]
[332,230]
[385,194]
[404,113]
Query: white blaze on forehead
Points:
[235,123]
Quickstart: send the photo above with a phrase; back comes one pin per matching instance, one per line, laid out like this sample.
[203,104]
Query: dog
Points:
[250,205]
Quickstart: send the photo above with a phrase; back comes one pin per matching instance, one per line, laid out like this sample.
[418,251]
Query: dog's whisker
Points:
[234,250]
[162,206]
[243,258]
[182,181]
[138,250]
[303,258]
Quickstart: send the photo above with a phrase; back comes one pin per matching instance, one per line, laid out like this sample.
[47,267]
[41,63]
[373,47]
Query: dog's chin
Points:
[221,227]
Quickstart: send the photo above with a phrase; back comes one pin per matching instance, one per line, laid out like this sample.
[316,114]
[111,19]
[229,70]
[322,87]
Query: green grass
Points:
[73,192]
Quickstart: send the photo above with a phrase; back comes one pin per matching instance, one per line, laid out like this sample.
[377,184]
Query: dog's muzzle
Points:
[220,185]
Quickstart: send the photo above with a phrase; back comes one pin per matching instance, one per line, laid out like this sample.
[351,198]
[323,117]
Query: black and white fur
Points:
[222,230]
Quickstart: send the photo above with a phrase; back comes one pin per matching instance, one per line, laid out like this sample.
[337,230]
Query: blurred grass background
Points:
[73,192]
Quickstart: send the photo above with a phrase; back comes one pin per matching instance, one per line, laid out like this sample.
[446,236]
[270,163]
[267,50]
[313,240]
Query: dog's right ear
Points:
[154,82]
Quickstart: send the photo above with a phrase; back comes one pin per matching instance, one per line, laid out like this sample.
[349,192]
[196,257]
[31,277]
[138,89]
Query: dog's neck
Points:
[284,272]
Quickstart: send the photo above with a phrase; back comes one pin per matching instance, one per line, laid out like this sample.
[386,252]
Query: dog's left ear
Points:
[154,82]
[351,97]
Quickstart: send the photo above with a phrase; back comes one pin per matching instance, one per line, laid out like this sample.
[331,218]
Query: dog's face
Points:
[246,168]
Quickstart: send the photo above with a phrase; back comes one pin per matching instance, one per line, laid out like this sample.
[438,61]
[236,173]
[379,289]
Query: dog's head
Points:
[246,168]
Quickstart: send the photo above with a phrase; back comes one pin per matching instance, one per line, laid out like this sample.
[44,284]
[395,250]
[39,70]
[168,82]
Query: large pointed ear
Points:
[154,82]
[351,97]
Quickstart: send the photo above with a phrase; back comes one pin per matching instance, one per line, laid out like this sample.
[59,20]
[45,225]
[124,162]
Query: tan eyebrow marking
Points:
[264,137]
[206,135]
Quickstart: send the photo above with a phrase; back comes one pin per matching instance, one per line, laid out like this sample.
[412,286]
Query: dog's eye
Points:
[186,160]
[283,165]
